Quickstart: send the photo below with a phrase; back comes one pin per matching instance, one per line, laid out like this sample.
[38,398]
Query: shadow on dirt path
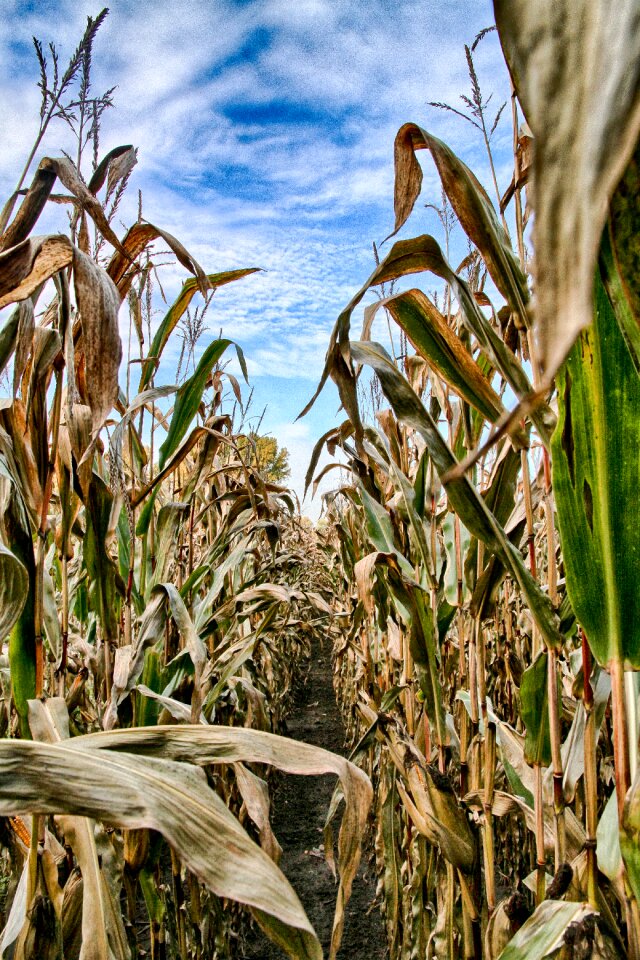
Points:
[300,806]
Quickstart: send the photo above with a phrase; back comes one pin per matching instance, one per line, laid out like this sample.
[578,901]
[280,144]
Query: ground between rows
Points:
[300,806]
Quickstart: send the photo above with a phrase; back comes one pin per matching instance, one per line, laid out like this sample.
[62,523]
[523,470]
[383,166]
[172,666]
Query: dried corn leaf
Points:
[471,204]
[116,165]
[49,723]
[204,745]
[173,798]
[576,69]
[23,268]
[98,303]
[138,237]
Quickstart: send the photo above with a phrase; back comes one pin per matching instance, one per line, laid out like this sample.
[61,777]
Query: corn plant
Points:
[157,591]
[486,558]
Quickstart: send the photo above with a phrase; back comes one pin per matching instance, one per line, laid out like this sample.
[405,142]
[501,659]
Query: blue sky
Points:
[265,131]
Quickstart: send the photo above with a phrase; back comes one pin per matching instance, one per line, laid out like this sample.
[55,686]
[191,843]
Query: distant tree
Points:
[266,454]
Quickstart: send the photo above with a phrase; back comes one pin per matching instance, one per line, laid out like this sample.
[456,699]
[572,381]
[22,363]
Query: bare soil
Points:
[300,806]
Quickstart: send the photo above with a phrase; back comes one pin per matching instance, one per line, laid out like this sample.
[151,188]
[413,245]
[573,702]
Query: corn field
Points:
[476,571]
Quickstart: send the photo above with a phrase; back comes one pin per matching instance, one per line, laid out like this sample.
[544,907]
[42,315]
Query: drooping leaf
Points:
[193,643]
[434,340]
[24,341]
[416,256]
[98,304]
[380,531]
[471,204]
[30,208]
[114,166]
[576,70]
[204,745]
[49,723]
[171,517]
[24,267]
[137,239]
[173,798]
[425,657]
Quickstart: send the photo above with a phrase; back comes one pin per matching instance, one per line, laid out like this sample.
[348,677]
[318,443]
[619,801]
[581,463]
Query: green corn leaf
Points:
[13,589]
[596,478]
[380,531]
[17,611]
[620,256]
[535,711]
[178,309]
[425,657]
[188,399]
[608,840]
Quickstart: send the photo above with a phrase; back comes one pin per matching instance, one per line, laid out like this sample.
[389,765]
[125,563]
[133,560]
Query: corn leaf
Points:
[188,399]
[115,165]
[535,711]
[620,254]
[98,304]
[543,933]
[14,585]
[173,798]
[137,239]
[204,745]
[434,340]
[596,477]
[24,267]
[576,70]
[416,256]
[178,309]
[8,336]
[471,204]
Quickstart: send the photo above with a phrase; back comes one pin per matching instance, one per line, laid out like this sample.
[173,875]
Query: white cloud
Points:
[265,133]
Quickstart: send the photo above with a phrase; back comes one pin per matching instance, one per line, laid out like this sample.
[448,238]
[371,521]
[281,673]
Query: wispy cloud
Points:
[265,134]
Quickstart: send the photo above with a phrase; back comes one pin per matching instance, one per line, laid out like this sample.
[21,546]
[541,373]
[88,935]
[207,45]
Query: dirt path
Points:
[300,806]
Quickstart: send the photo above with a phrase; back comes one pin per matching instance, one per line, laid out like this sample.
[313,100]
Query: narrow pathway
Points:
[299,809]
